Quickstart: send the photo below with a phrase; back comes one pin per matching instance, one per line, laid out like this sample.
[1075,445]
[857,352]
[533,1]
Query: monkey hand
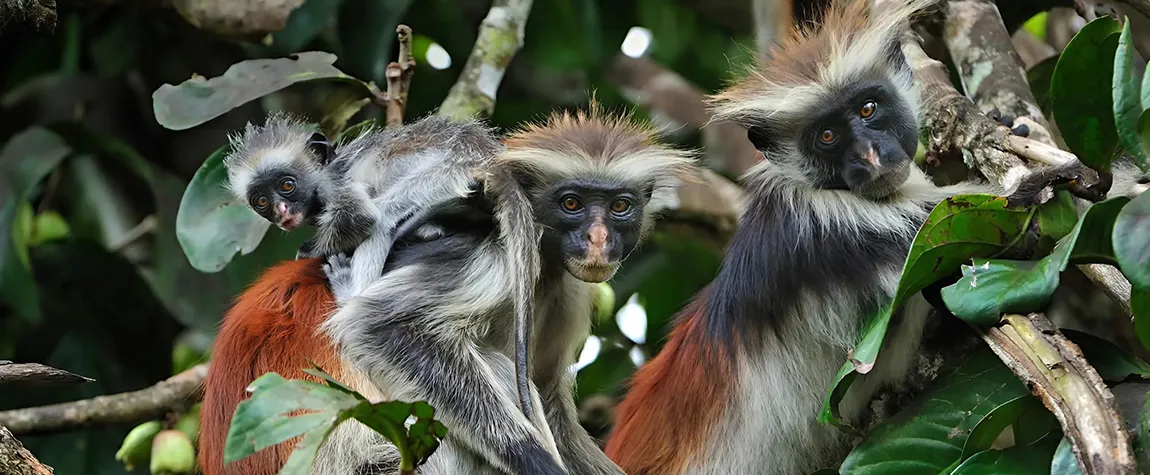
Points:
[1081,180]
[339,276]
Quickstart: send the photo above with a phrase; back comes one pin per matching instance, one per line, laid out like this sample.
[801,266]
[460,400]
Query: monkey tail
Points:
[272,327]
[520,237]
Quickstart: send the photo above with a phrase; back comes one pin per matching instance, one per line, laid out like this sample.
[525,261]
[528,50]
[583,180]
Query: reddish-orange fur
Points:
[272,327]
[661,422]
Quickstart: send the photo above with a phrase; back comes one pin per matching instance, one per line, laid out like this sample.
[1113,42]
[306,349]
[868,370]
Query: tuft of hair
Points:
[595,144]
[853,41]
[280,142]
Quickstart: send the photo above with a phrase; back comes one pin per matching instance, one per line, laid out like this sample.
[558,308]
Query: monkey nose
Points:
[867,153]
[281,208]
[597,235]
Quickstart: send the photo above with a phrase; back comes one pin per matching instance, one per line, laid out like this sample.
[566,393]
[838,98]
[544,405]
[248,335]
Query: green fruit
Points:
[137,446]
[189,422]
[172,454]
[605,305]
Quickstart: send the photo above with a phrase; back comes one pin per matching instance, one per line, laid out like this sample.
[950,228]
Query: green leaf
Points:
[25,160]
[672,26]
[305,22]
[988,429]
[1144,136]
[1056,219]
[1127,97]
[1017,460]
[367,31]
[930,434]
[1064,461]
[990,287]
[957,229]
[199,100]
[1131,240]
[1081,95]
[49,226]
[1113,363]
[212,224]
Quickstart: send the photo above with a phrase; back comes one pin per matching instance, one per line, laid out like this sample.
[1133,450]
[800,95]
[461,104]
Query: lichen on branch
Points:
[500,37]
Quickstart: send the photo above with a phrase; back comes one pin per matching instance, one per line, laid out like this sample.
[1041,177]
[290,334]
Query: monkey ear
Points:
[319,145]
[759,137]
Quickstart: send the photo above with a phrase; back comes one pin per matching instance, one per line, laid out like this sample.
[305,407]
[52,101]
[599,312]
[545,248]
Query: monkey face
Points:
[591,225]
[284,198]
[863,142]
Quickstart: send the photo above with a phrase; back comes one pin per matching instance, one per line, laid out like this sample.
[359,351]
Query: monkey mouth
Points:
[886,182]
[290,222]
[592,272]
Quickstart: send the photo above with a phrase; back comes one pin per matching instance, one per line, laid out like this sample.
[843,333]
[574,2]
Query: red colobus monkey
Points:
[436,326]
[830,217]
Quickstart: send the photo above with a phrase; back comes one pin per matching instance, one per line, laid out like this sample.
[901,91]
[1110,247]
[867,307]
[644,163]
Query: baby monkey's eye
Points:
[827,136]
[571,203]
[287,185]
[620,206]
[868,109]
[261,202]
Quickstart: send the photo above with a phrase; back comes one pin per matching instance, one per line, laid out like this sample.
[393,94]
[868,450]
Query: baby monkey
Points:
[291,174]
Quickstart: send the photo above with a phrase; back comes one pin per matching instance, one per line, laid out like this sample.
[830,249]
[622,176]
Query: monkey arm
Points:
[347,219]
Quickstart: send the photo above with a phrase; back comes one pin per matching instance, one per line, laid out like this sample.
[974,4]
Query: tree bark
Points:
[500,37]
[16,460]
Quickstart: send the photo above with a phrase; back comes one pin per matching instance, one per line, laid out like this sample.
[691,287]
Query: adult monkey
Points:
[831,215]
[594,182]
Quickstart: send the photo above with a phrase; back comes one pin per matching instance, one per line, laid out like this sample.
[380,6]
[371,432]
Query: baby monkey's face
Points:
[283,197]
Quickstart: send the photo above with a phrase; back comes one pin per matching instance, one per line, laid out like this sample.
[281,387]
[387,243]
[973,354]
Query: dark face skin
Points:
[863,142]
[591,225]
[284,198]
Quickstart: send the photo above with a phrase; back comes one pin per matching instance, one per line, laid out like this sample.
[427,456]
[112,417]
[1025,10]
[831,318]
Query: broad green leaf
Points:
[305,22]
[957,229]
[988,429]
[49,226]
[367,32]
[1114,364]
[990,287]
[1017,460]
[199,100]
[1127,97]
[338,108]
[1064,461]
[1141,442]
[1140,307]
[1080,93]
[1131,241]
[26,159]
[1056,219]
[318,372]
[930,434]
[264,419]
[212,224]
[1035,423]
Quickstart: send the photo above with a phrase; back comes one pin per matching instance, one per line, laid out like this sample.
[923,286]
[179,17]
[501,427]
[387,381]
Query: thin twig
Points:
[145,226]
[398,75]
[173,394]
[500,37]
[34,373]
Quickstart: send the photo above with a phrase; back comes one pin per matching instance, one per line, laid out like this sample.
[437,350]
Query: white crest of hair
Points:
[280,142]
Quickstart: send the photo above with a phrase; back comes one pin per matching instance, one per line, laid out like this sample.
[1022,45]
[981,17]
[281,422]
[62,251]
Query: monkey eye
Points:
[620,206]
[571,203]
[827,136]
[287,185]
[868,109]
[261,202]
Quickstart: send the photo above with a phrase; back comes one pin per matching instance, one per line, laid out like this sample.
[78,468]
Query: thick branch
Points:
[500,37]
[36,374]
[772,21]
[398,75]
[173,394]
[665,93]
[1055,370]
[16,460]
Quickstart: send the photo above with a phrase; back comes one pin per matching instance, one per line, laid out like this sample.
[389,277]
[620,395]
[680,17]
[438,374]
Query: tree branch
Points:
[1055,370]
[173,394]
[772,21]
[500,37]
[16,460]
[398,75]
[36,374]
